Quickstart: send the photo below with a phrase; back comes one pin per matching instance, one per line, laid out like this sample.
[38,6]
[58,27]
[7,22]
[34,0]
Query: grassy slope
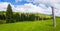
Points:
[31,26]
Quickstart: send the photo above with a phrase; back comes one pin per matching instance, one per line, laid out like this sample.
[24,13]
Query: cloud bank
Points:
[41,6]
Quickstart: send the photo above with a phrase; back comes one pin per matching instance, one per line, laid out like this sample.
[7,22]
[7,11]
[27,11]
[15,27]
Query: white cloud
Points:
[49,3]
[42,6]
[18,0]
[33,9]
[54,3]
[29,0]
[3,6]
[30,8]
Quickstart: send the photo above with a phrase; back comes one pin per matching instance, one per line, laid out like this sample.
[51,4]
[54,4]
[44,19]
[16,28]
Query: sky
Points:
[32,6]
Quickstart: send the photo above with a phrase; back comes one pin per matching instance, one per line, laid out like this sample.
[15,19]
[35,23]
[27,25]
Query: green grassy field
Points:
[46,25]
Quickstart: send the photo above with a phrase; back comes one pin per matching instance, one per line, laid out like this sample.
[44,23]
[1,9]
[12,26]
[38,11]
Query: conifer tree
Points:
[9,14]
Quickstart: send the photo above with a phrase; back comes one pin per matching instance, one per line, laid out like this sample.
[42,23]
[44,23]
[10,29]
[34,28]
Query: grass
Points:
[46,25]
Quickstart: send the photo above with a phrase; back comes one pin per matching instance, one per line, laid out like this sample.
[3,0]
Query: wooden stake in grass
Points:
[42,17]
[54,18]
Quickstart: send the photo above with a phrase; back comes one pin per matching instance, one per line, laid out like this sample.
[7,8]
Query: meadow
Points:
[45,25]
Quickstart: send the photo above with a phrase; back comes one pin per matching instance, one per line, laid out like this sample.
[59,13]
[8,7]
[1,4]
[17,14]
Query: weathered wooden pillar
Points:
[54,18]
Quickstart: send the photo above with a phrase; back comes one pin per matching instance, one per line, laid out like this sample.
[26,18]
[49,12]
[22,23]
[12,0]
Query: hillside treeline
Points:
[9,16]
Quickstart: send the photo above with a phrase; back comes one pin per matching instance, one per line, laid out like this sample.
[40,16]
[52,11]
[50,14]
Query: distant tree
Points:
[32,17]
[23,17]
[9,14]
[17,17]
[2,17]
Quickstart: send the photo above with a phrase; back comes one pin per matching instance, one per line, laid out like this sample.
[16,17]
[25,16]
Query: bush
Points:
[2,21]
[2,17]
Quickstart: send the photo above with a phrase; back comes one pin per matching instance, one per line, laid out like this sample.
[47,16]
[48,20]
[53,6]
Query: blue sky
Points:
[14,2]
[32,6]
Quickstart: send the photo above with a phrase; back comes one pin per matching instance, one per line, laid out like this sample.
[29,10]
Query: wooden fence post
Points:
[54,18]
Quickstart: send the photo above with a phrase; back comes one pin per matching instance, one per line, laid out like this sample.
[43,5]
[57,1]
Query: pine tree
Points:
[9,14]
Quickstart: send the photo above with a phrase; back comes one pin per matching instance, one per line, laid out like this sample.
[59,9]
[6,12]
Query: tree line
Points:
[9,16]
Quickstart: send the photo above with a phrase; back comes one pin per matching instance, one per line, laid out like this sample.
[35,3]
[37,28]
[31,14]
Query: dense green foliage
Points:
[16,17]
[46,25]
[9,14]
[23,17]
